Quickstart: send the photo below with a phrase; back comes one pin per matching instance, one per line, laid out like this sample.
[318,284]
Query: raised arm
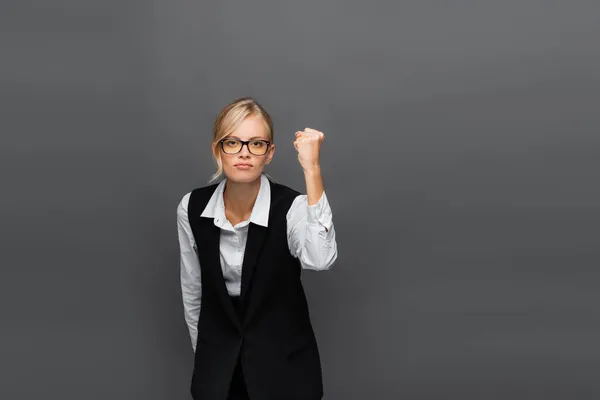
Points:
[311,234]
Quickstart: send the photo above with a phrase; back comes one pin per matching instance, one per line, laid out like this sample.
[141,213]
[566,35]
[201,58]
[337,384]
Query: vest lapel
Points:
[257,235]
[210,258]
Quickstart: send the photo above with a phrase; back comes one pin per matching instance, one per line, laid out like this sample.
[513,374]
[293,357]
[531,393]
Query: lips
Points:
[243,167]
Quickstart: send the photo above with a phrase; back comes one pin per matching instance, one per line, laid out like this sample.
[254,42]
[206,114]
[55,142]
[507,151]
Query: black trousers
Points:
[237,388]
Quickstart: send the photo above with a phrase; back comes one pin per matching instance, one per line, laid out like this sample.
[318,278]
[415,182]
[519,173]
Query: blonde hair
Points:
[229,118]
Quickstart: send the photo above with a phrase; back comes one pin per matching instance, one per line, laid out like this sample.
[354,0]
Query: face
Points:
[246,166]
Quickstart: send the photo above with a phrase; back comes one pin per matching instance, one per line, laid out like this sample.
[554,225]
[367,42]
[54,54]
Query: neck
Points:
[239,197]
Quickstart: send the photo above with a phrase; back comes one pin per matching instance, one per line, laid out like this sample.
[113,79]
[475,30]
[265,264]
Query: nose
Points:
[244,151]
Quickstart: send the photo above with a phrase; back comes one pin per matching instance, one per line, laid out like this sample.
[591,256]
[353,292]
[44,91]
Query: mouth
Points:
[243,166]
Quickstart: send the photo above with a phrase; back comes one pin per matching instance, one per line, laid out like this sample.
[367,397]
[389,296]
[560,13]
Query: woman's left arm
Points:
[310,230]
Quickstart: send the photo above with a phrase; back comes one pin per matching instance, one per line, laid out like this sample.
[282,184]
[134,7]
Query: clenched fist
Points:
[307,144]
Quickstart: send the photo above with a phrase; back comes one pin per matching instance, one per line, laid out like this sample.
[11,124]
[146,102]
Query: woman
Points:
[244,242]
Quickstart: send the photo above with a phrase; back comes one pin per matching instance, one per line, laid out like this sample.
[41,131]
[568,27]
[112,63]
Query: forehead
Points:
[252,127]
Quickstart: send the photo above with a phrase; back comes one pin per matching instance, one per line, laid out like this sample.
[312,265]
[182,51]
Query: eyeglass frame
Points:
[245,142]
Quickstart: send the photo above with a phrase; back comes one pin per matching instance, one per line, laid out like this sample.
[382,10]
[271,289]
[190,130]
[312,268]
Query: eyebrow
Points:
[252,138]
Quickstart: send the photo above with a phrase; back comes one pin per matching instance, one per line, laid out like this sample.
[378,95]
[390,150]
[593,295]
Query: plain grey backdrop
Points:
[461,161]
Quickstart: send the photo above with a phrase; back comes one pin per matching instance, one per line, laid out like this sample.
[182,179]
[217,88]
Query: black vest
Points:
[273,331]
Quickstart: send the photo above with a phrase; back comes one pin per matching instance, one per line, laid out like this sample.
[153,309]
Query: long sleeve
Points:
[191,288]
[311,234]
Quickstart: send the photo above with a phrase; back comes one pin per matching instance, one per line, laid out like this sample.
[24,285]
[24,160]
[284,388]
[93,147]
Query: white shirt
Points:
[310,237]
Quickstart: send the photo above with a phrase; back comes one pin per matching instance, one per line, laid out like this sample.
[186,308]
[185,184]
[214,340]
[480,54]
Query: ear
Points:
[270,154]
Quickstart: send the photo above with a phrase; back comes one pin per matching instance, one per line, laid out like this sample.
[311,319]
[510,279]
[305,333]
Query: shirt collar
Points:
[215,208]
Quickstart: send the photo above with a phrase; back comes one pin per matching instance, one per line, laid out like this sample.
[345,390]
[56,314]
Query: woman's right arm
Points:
[191,289]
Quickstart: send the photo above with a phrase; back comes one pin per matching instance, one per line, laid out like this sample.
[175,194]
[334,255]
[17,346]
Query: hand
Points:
[307,144]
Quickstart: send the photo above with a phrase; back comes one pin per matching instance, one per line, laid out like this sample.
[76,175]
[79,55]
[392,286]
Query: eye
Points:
[258,143]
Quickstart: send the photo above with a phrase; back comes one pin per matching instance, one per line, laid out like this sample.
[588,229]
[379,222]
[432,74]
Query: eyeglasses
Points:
[234,146]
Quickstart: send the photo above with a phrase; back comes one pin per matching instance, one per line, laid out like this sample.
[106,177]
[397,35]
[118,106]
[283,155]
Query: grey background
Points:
[461,161]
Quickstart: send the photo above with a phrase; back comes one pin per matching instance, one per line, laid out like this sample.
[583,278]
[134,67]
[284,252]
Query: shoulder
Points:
[182,206]
[281,190]
[184,202]
[204,190]
[286,198]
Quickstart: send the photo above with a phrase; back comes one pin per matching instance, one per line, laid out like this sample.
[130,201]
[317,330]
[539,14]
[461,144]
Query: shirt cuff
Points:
[321,213]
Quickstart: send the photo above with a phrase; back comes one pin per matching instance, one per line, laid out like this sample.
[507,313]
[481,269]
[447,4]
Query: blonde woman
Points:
[244,242]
